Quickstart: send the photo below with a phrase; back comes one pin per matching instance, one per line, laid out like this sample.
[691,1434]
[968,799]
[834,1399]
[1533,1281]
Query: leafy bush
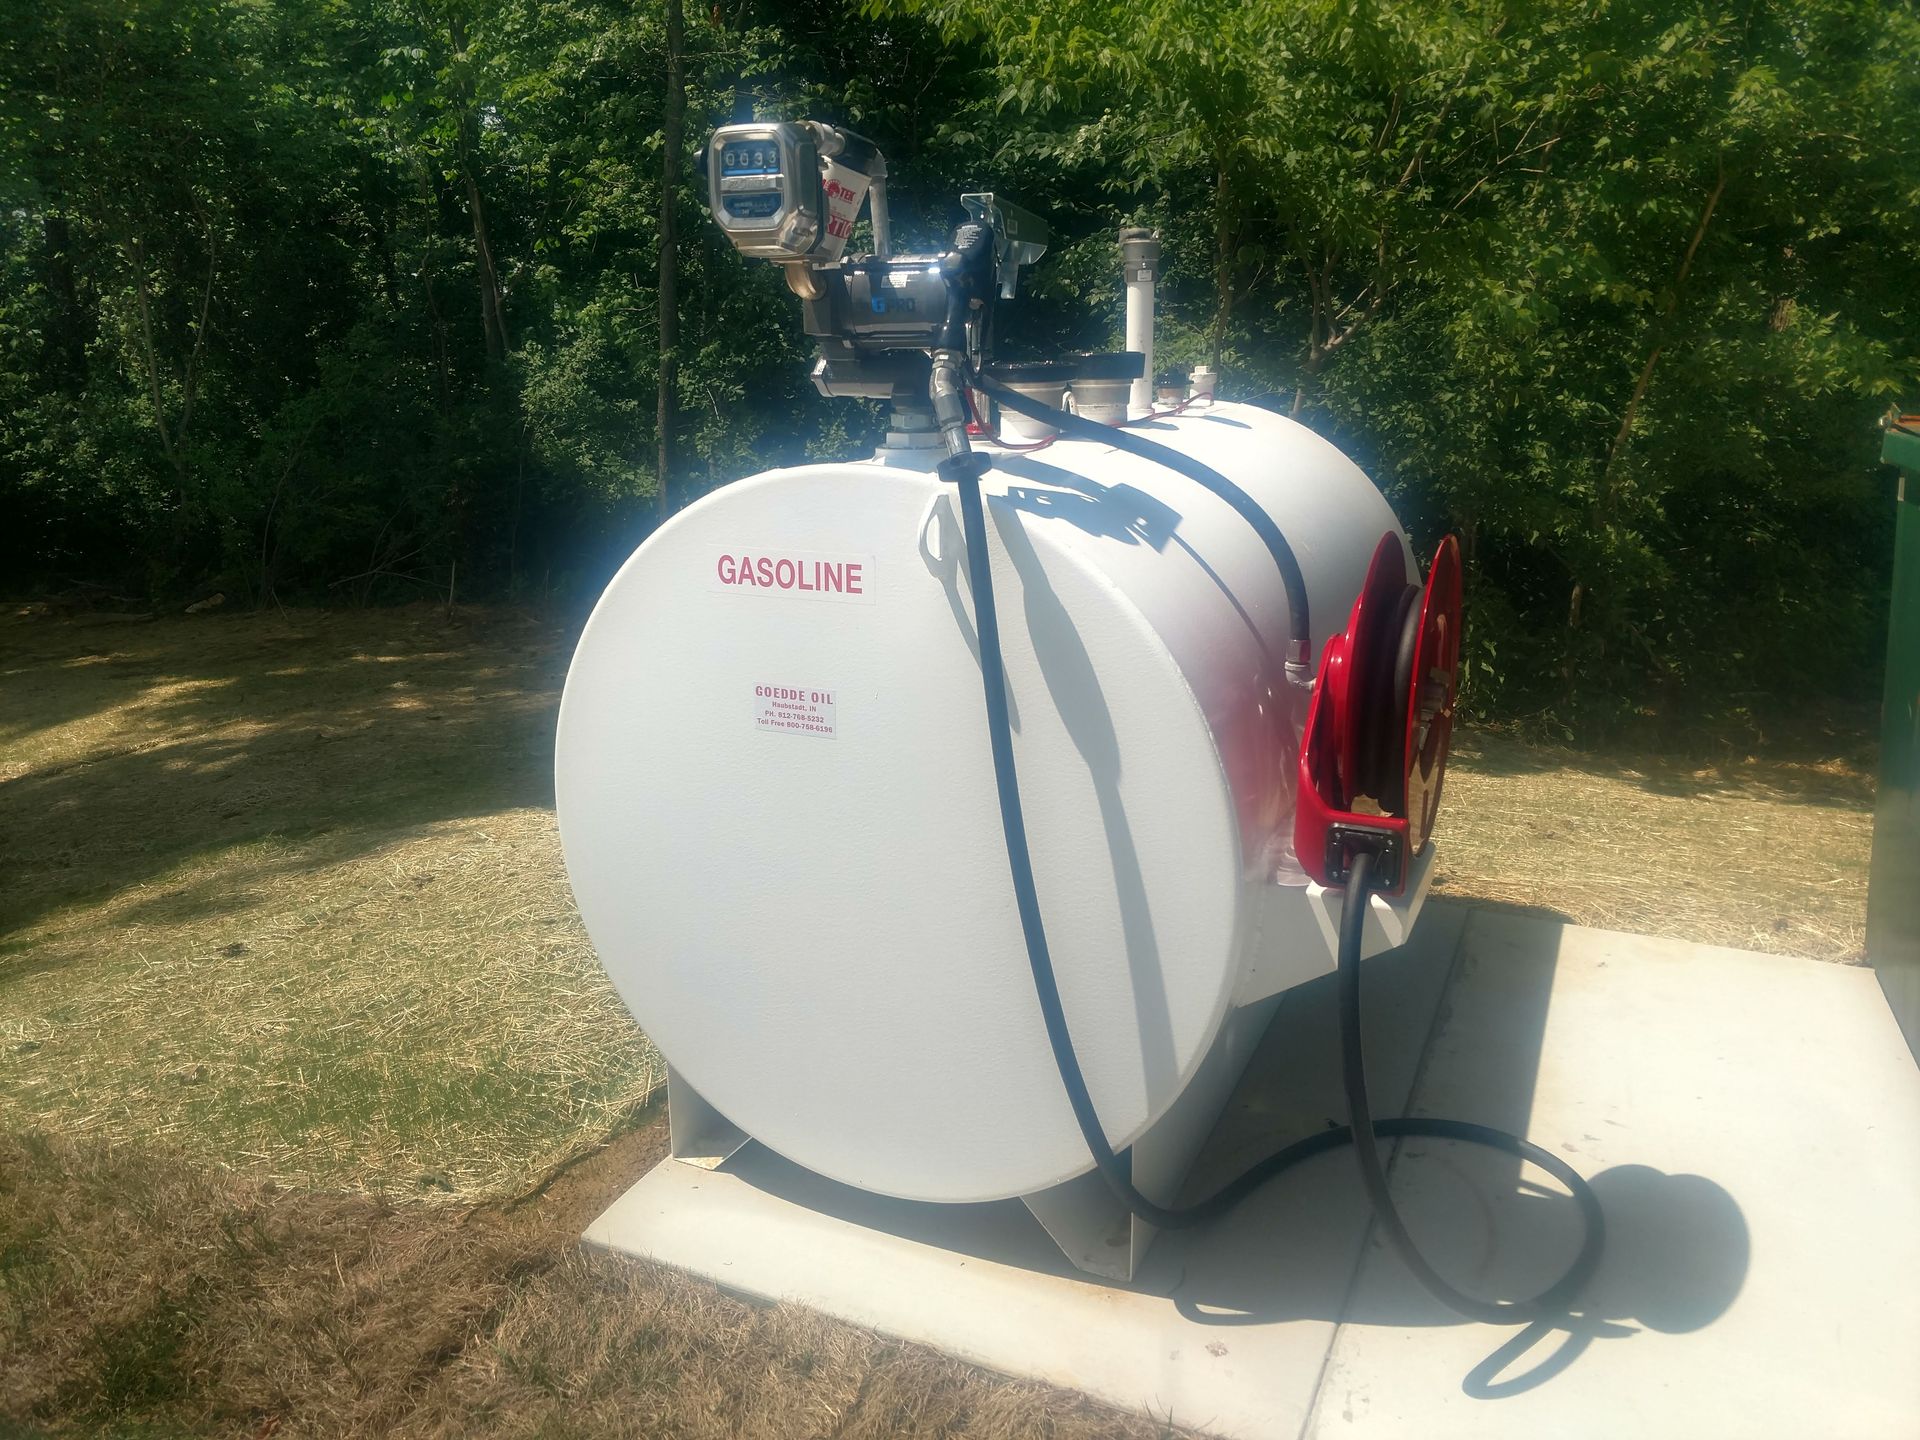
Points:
[303,300]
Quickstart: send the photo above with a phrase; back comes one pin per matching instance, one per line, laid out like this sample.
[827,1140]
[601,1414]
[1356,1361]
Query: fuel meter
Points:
[765,188]
[791,191]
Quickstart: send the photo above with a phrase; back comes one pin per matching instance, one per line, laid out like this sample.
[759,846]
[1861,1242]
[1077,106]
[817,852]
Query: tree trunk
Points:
[493,321]
[1666,313]
[1602,510]
[64,341]
[137,252]
[672,116]
[1224,266]
[1319,279]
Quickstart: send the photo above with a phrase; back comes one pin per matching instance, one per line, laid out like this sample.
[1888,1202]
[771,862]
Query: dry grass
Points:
[286,894]
[1759,854]
[286,947]
[141,1296]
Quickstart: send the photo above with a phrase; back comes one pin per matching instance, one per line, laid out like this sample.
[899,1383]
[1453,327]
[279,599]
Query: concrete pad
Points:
[1191,1339]
[1752,1126]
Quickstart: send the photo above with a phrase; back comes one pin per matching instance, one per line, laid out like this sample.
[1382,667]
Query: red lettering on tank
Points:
[808,574]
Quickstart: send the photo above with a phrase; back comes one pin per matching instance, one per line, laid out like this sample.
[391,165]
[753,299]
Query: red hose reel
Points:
[1381,721]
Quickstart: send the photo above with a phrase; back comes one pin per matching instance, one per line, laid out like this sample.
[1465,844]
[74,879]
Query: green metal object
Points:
[1902,445]
[1893,893]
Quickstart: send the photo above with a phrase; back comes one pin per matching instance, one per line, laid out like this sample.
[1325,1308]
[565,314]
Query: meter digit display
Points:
[750,179]
[750,160]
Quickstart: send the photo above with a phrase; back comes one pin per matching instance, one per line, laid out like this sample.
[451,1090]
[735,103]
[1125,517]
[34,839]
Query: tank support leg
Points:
[1094,1230]
[699,1134]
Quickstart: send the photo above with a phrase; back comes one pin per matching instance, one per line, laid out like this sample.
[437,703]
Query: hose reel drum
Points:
[1381,724]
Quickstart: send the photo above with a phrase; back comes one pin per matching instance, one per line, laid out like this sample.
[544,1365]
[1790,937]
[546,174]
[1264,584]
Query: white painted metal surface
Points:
[777,801]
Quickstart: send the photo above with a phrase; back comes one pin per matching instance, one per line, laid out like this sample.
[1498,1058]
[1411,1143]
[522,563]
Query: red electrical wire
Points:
[975,427]
[1163,414]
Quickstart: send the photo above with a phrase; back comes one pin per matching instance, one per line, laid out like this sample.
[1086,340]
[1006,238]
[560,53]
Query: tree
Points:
[1544,268]
[315,301]
[674,110]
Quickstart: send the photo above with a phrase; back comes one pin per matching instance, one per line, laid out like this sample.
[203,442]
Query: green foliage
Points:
[1615,292]
[305,298]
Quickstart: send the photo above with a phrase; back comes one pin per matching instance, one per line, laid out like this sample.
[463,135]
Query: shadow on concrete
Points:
[1677,1248]
[1520,911]
[1677,1254]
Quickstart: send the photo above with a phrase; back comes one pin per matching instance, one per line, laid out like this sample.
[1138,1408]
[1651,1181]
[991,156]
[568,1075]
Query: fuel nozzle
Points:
[968,270]
[947,388]
[1019,238]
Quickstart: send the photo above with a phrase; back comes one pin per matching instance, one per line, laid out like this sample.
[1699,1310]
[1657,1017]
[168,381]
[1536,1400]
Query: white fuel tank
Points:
[777,799]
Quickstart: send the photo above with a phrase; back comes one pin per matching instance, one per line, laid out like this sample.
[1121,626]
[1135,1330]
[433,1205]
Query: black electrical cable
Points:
[1300,630]
[1363,1132]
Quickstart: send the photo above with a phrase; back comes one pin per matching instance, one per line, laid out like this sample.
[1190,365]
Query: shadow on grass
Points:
[128,752]
[1829,761]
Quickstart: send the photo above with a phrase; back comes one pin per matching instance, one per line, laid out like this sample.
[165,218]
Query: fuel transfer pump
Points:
[1359,749]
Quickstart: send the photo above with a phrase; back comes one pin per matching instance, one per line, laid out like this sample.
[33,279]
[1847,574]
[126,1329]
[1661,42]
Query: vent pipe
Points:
[1140,266]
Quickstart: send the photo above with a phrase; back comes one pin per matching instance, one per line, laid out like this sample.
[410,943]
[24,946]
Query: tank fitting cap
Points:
[1139,253]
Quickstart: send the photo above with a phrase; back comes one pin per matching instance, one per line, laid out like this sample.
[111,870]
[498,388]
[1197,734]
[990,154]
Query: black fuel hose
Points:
[1299,626]
[1363,1132]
